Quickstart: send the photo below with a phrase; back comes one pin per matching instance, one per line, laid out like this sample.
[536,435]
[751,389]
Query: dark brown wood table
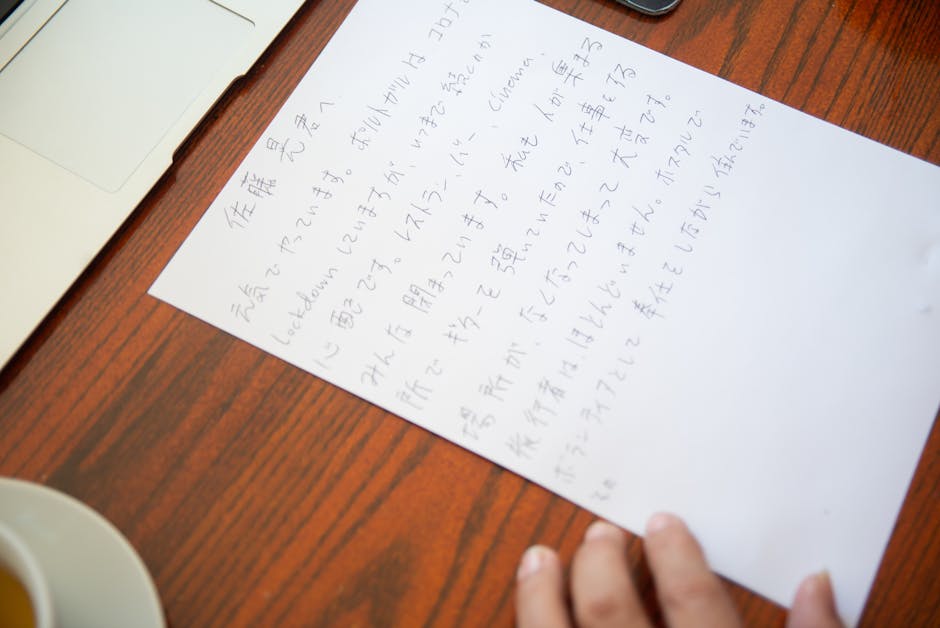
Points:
[259,495]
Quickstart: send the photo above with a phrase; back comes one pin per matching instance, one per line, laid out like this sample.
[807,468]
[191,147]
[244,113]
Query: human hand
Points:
[603,593]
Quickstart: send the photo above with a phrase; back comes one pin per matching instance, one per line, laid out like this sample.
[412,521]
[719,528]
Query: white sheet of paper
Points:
[627,280]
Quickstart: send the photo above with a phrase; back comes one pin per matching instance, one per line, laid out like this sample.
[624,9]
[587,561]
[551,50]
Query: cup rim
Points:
[16,555]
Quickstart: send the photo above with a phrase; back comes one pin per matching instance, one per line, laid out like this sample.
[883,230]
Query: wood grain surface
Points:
[259,495]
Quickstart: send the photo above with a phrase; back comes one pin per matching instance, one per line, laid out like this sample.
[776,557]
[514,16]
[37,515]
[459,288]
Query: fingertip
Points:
[535,559]
[667,534]
[814,604]
[816,588]
[601,529]
[662,521]
[602,588]
[540,596]
[689,592]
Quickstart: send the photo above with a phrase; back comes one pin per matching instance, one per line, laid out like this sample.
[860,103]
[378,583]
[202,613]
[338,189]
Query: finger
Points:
[602,589]
[540,591]
[689,593]
[814,605]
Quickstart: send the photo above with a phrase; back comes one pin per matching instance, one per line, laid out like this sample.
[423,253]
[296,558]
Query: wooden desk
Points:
[259,495]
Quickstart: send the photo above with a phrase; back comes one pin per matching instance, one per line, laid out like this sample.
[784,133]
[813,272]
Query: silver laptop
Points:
[95,96]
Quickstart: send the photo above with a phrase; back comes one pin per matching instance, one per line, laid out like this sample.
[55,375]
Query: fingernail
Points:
[817,585]
[814,604]
[813,596]
[533,559]
[660,521]
[602,530]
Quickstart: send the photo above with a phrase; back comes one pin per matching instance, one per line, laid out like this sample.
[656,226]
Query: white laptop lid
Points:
[95,96]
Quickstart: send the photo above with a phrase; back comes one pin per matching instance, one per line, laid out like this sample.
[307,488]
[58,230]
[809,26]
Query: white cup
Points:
[17,559]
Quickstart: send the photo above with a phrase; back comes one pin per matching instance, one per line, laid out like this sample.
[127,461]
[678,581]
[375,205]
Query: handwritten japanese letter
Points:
[629,281]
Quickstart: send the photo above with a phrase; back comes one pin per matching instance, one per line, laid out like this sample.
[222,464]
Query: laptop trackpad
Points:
[102,82]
